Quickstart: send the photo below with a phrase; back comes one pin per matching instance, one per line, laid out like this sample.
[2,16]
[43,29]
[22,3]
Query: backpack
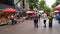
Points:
[57,16]
[36,17]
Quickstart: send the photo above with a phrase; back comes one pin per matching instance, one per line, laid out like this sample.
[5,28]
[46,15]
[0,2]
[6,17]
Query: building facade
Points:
[6,3]
[26,5]
[19,4]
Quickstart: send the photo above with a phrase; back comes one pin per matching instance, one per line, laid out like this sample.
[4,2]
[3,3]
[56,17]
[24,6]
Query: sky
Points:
[50,2]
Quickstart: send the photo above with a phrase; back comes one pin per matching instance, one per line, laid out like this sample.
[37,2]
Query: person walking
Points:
[44,16]
[59,18]
[50,20]
[36,17]
[39,17]
[12,19]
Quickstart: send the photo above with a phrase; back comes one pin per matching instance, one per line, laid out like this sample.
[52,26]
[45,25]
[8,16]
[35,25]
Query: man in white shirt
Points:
[44,16]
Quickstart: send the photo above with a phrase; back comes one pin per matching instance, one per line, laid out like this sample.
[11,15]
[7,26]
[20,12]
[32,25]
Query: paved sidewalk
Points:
[27,27]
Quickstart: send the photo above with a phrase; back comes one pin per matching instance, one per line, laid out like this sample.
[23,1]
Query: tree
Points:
[55,4]
[48,9]
[42,5]
[33,4]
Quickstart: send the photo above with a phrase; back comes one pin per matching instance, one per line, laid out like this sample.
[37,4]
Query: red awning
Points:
[57,7]
[8,10]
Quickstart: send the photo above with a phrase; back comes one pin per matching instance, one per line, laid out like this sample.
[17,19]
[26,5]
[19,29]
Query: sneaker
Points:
[44,26]
[37,27]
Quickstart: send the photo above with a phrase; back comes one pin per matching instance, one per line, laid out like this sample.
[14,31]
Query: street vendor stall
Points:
[5,15]
[57,7]
[30,14]
[57,15]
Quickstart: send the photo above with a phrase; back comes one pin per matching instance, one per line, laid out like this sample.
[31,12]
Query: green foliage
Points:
[48,9]
[33,4]
[42,4]
[55,4]
[44,7]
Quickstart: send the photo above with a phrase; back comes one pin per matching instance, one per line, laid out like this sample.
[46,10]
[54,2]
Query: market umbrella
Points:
[9,10]
[30,12]
[41,11]
[56,11]
[57,7]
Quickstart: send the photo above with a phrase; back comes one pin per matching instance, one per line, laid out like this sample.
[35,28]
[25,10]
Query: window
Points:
[7,2]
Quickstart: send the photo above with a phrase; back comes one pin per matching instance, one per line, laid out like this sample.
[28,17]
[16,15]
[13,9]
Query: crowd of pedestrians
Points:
[37,17]
[44,17]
